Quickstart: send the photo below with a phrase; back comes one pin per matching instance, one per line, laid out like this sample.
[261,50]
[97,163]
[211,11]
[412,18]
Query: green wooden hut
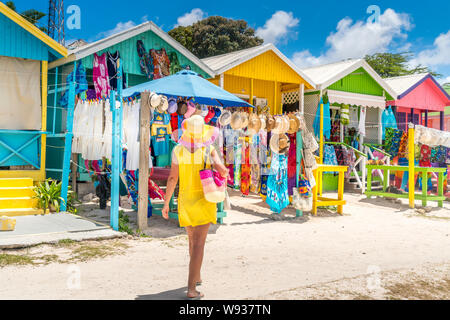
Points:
[125,43]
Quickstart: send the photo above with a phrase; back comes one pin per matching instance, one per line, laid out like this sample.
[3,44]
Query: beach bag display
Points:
[301,198]
[214,185]
[309,142]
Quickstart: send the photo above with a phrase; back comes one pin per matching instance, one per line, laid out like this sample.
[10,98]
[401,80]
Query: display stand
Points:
[412,170]
[421,171]
[319,201]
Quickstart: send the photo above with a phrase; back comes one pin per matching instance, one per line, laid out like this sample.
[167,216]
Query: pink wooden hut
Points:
[417,95]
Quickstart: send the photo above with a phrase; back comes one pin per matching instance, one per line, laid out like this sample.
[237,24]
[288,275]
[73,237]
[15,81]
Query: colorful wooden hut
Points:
[259,75]
[125,43]
[418,94]
[25,52]
[351,82]
[434,117]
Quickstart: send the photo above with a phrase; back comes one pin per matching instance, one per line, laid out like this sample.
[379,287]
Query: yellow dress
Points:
[193,209]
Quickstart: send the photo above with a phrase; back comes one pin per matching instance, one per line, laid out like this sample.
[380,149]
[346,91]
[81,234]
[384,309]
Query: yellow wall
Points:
[267,66]
[271,75]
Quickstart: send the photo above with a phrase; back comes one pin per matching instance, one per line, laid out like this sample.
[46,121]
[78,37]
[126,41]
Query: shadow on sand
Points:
[175,294]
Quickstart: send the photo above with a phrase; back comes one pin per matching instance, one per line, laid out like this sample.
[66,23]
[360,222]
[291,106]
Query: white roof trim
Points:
[357,99]
[356,65]
[102,44]
[252,54]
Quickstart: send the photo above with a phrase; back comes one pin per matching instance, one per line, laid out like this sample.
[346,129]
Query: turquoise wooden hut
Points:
[25,52]
[125,43]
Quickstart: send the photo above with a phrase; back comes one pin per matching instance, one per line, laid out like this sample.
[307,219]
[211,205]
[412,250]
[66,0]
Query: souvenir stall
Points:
[183,95]
[424,156]
[146,53]
[259,75]
[25,52]
[354,97]
[417,95]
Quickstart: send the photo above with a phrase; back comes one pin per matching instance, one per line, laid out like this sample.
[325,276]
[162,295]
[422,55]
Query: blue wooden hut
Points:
[25,52]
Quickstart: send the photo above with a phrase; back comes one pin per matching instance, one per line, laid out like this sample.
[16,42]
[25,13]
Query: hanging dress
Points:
[277,185]
[292,163]
[113,70]
[245,168]
[161,63]
[145,61]
[100,76]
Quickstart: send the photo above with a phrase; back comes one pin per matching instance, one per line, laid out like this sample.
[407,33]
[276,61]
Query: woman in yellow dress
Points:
[195,213]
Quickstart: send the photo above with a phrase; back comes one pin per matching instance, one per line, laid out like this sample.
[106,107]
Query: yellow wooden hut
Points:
[259,75]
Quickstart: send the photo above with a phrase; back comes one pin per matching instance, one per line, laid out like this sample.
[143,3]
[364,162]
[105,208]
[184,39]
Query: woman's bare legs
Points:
[191,244]
[197,238]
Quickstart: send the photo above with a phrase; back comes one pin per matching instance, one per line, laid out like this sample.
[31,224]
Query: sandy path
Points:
[254,256]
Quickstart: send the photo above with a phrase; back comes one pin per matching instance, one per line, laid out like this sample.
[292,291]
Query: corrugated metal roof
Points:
[324,73]
[223,60]
[403,83]
[222,63]
[91,48]
[327,74]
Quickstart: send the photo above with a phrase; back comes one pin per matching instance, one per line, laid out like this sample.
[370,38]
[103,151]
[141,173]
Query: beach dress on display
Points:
[113,69]
[292,163]
[277,185]
[161,63]
[245,168]
[145,61]
[100,76]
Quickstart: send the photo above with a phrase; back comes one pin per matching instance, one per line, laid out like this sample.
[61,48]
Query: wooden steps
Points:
[16,197]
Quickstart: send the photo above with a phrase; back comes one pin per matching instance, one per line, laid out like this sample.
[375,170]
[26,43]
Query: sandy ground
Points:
[377,250]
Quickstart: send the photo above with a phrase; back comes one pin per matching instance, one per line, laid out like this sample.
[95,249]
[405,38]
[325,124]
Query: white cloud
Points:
[121,26]
[355,40]
[191,17]
[444,80]
[439,55]
[277,27]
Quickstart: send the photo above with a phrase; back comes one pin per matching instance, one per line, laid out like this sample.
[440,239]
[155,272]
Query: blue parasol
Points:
[188,84]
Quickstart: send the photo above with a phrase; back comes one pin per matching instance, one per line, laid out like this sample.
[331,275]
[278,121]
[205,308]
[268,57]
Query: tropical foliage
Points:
[32,15]
[216,35]
[389,65]
[48,194]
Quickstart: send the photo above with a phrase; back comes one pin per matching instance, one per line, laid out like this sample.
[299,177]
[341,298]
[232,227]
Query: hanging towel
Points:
[326,120]
[345,118]
[362,122]
[388,120]
[354,121]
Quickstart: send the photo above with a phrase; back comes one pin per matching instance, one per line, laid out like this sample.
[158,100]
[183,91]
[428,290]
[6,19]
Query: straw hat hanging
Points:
[270,123]
[237,121]
[155,100]
[254,124]
[163,106]
[225,118]
[245,120]
[279,124]
[294,124]
[263,121]
[279,143]
[182,108]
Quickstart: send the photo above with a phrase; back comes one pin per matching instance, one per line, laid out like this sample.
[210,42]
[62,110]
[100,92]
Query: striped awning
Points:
[356,99]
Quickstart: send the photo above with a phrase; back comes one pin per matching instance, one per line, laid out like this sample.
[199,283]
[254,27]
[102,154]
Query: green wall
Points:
[359,81]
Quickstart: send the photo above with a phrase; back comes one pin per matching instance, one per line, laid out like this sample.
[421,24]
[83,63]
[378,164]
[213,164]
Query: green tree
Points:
[216,35]
[32,15]
[389,65]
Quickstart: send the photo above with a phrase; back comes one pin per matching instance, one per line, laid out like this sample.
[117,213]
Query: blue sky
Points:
[309,32]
